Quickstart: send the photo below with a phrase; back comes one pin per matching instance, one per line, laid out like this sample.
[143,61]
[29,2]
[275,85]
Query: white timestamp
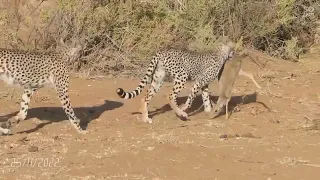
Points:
[35,162]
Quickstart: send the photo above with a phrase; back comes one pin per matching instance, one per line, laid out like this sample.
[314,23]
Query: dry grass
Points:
[120,36]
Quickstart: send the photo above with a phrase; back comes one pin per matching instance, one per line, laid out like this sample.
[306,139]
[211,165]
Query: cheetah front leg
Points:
[62,90]
[201,82]
[205,98]
[194,91]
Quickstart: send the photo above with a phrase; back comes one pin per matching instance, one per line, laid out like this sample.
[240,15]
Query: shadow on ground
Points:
[56,114]
[197,104]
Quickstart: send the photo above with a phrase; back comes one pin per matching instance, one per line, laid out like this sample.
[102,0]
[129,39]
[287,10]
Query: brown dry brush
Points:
[119,37]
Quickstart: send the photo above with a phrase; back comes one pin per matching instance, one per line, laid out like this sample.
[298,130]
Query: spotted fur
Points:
[34,70]
[181,65]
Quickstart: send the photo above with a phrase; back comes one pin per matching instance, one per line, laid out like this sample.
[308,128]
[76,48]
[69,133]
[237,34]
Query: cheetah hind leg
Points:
[24,105]
[144,110]
[5,131]
[154,88]
[178,85]
[5,128]
[63,94]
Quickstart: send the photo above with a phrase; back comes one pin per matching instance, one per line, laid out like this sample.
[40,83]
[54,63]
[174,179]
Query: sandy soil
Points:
[272,134]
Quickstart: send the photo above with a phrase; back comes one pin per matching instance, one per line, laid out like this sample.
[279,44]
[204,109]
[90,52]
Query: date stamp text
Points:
[43,162]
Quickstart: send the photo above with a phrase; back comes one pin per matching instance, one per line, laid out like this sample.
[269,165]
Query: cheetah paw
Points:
[5,131]
[148,120]
[183,115]
[81,131]
[78,128]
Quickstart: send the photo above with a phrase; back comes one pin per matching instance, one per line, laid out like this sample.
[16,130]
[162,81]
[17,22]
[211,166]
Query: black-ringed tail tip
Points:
[120,92]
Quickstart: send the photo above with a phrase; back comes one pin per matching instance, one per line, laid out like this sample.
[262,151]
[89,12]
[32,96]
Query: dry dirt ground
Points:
[273,133]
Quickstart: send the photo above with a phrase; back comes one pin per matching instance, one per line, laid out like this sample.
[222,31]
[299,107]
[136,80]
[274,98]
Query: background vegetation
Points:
[118,36]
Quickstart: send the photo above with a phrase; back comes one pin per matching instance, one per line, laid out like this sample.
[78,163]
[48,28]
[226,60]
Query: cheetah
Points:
[181,65]
[227,77]
[33,70]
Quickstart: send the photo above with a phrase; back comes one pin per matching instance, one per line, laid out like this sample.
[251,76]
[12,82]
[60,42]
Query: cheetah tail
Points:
[143,82]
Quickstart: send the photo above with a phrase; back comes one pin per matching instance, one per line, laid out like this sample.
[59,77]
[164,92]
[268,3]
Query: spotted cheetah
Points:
[181,65]
[34,70]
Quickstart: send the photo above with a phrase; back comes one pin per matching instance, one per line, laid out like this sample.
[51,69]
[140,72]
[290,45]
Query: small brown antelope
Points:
[232,69]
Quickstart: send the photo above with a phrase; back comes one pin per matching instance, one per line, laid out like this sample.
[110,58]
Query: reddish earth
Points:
[273,134]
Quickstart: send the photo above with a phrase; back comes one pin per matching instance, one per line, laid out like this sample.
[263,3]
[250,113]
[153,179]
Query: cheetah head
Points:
[72,53]
[227,49]
[75,53]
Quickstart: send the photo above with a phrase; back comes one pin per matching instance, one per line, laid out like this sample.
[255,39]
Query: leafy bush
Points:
[119,36]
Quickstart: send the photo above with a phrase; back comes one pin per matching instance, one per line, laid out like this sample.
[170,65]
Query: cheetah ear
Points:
[62,42]
[243,53]
[79,47]
[224,39]
[231,44]
[75,52]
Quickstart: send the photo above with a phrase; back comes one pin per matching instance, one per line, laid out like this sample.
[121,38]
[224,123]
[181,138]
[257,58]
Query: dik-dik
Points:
[232,69]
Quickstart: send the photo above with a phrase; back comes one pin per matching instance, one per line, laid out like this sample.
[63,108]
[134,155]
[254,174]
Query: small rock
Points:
[56,137]
[254,111]
[23,139]
[223,136]
[248,135]
[275,121]
[33,149]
